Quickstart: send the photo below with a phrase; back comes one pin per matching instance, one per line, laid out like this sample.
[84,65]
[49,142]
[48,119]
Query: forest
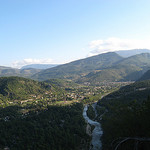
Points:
[48,115]
[57,127]
[126,126]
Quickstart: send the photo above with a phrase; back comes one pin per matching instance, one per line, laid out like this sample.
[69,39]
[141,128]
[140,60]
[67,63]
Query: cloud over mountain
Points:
[113,44]
[28,61]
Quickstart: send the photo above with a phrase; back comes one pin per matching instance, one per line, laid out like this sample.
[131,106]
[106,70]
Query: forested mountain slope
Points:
[21,88]
[76,69]
[128,53]
[103,67]
[146,76]
[126,117]
[139,90]
[127,69]
[8,71]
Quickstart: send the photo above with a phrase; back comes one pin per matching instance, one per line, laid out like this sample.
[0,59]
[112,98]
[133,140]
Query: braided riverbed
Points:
[96,143]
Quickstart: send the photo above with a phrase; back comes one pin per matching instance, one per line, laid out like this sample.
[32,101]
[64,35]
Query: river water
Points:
[96,143]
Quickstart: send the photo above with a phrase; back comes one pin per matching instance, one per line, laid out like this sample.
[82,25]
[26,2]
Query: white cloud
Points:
[28,61]
[113,44]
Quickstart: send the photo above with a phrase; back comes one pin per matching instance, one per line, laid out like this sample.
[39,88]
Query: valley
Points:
[50,112]
[74,75]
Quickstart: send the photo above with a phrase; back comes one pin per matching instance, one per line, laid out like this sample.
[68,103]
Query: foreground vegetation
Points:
[126,122]
[46,115]
[53,128]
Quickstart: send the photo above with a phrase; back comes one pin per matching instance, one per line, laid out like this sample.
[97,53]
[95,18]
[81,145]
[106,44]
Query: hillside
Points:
[141,60]
[113,74]
[31,118]
[107,67]
[136,66]
[61,83]
[28,72]
[76,69]
[146,76]
[129,53]
[127,69]
[126,117]
[103,67]
[20,88]
[8,71]
[139,90]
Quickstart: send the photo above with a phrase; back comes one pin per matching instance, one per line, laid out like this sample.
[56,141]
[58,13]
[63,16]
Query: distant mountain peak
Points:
[128,53]
[39,66]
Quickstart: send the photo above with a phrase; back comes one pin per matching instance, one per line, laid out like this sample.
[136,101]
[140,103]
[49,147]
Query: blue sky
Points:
[59,31]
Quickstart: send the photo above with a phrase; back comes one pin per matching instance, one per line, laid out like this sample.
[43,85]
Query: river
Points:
[96,143]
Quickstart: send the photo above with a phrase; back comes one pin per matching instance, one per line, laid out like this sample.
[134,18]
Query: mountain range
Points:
[128,53]
[103,67]
[28,113]
[128,69]
[8,71]
[39,66]
[109,67]
[79,68]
